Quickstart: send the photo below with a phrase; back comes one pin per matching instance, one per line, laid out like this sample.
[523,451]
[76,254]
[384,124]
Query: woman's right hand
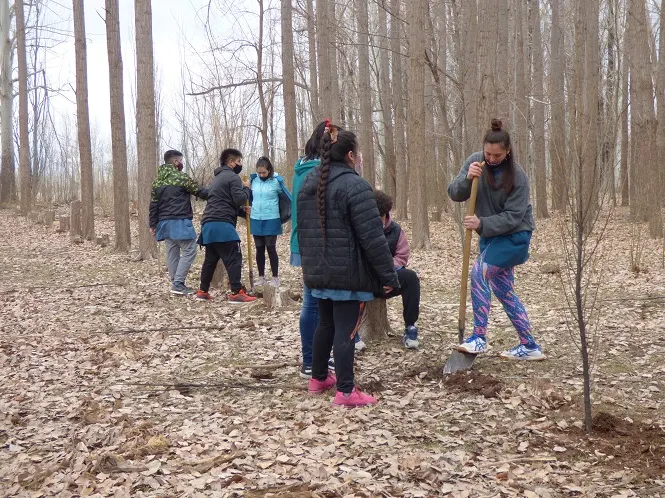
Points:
[475,170]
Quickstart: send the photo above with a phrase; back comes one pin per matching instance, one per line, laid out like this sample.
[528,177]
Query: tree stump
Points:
[220,280]
[374,326]
[75,227]
[49,218]
[103,240]
[276,297]
[63,224]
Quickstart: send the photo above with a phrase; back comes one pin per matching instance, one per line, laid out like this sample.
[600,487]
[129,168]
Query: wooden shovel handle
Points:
[470,211]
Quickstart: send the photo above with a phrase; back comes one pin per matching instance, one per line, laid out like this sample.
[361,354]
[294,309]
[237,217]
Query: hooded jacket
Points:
[354,254]
[301,170]
[171,193]
[226,197]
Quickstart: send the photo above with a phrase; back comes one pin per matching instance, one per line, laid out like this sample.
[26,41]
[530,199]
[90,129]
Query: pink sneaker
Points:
[319,386]
[356,398]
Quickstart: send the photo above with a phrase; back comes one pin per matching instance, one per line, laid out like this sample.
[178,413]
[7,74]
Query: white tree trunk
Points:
[7,176]
[25,176]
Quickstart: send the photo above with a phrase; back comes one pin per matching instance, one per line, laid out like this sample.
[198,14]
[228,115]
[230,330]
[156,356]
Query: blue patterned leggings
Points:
[486,279]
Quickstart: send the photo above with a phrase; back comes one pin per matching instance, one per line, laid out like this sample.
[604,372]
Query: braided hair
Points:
[335,145]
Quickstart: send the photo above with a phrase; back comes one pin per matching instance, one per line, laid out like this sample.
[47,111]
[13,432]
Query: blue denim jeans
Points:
[309,321]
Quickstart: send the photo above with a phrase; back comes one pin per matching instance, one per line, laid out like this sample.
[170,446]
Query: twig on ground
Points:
[63,287]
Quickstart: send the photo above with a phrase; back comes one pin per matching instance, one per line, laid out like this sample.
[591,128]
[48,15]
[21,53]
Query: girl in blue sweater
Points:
[265,223]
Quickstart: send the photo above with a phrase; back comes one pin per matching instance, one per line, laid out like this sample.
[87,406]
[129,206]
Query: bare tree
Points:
[538,106]
[7,175]
[118,132]
[557,128]
[145,119]
[365,92]
[25,179]
[83,123]
[660,93]
[289,87]
[313,72]
[385,100]
[402,192]
[416,14]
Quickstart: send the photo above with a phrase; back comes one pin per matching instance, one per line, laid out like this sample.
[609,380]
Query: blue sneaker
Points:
[181,289]
[475,344]
[524,352]
[410,339]
[306,370]
[359,343]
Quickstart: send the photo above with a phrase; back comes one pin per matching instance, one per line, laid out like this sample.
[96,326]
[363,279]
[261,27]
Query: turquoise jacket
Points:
[301,170]
[265,196]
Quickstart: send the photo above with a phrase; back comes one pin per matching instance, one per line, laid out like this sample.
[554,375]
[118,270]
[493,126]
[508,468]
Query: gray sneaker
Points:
[181,289]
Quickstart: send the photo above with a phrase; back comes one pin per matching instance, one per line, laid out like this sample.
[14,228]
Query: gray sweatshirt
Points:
[499,213]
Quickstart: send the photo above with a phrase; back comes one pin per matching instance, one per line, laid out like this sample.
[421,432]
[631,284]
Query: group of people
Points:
[348,247]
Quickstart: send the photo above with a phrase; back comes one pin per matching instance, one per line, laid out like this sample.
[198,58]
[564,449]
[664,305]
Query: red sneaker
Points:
[356,398]
[241,297]
[203,296]
[319,386]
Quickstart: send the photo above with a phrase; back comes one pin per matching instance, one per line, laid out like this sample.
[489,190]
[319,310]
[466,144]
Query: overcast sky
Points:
[177,33]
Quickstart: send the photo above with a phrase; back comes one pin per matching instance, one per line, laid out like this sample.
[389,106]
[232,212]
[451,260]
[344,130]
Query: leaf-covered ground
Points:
[111,387]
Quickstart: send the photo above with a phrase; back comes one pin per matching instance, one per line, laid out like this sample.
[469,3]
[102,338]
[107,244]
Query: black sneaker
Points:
[306,371]
[181,289]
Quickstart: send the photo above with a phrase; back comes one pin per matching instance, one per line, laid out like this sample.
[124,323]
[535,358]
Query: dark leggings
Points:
[263,242]
[338,324]
[229,253]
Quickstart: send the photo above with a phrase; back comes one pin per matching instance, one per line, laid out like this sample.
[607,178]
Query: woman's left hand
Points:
[471,222]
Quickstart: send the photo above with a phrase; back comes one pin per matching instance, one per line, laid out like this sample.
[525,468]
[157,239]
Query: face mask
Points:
[263,178]
[494,165]
[237,169]
[180,166]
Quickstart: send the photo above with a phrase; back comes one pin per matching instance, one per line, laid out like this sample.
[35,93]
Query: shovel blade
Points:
[459,361]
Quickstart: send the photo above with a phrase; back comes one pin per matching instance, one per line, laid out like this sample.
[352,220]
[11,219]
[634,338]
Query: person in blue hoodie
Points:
[309,313]
[266,218]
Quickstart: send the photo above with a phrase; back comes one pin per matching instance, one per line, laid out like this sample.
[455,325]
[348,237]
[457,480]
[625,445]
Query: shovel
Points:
[461,360]
[249,248]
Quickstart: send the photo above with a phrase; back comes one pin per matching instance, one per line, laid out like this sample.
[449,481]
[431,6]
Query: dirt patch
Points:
[474,382]
[372,386]
[621,444]
[429,371]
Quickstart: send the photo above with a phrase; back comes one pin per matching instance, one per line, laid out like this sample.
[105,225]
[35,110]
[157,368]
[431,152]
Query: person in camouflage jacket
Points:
[171,217]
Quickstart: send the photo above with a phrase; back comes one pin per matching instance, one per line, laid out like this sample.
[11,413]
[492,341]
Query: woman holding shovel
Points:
[504,221]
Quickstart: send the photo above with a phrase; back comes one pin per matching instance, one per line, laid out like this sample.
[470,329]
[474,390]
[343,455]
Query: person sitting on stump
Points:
[408,279]
[171,218]
[227,196]
[504,221]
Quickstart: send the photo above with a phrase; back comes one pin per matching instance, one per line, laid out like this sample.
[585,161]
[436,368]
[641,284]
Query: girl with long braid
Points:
[345,260]
[504,222]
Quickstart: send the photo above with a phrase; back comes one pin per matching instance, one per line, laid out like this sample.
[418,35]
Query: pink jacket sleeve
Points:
[403,251]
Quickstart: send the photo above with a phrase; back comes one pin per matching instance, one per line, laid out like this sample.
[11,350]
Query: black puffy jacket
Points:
[355,255]
[226,197]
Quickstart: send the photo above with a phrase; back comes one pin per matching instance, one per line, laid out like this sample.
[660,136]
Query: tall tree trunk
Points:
[402,193]
[521,106]
[331,22]
[660,93]
[538,103]
[118,132]
[83,123]
[611,104]
[470,71]
[25,176]
[365,93]
[313,73]
[623,167]
[146,140]
[323,57]
[416,15]
[385,96]
[259,83]
[557,128]
[7,175]
[643,119]
[289,85]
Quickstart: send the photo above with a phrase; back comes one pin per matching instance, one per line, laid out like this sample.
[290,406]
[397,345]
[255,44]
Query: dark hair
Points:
[332,152]
[228,154]
[170,154]
[313,145]
[264,162]
[497,135]
[384,202]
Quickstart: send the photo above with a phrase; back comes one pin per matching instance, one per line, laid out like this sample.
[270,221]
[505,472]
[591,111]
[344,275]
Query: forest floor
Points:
[112,387]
